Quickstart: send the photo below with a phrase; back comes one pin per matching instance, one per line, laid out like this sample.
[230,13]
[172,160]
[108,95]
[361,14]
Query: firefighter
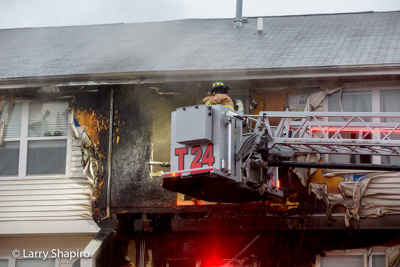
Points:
[219,95]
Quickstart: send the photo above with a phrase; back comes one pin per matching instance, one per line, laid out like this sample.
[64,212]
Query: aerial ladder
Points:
[225,156]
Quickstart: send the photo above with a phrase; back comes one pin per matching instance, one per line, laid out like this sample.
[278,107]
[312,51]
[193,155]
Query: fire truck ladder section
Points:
[300,133]
[223,156]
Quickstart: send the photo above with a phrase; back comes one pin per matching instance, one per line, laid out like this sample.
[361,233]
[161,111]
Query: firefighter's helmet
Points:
[219,88]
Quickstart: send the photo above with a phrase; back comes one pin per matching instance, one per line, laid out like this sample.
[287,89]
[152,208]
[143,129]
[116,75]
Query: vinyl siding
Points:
[49,198]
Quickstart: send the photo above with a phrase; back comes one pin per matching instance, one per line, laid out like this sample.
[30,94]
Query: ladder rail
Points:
[313,133]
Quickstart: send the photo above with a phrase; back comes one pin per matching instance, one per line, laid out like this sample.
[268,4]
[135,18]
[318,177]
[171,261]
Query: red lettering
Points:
[181,152]
[196,150]
[208,157]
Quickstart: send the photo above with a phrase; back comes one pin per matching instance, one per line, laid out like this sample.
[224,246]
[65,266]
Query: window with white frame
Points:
[359,101]
[389,102]
[374,99]
[352,258]
[35,139]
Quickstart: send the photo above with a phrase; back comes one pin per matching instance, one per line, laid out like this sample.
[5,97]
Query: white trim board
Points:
[48,227]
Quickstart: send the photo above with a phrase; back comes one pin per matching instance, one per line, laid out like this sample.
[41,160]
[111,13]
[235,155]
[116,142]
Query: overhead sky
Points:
[48,13]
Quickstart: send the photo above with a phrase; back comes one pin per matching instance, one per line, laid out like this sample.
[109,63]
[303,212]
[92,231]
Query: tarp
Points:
[373,195]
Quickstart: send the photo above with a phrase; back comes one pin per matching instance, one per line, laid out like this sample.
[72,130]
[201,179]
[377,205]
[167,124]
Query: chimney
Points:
[239,8]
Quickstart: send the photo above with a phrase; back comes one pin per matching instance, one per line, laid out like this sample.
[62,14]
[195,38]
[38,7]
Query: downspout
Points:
[239,8]
[109,152]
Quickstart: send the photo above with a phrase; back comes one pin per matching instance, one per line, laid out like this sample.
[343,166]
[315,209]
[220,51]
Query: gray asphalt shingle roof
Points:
[202,44]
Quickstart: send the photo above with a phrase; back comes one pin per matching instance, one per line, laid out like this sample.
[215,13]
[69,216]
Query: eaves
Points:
[387,71]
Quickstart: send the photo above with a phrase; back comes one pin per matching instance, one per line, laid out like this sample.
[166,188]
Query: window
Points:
[351,102]
[35,139]
[342,260]
[352,258]
[374,99]
[389,102]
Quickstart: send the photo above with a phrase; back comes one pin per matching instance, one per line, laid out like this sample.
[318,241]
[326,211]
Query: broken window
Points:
[35,139]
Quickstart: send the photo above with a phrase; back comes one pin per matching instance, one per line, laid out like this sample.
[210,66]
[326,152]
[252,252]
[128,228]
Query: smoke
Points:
[45,13]
[162,127]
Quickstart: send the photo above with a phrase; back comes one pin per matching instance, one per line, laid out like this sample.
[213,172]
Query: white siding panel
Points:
[76,164]
[43,197]
[66,262]
[77,143]
[60,180]
[64,202]
[84,191]
[85,214]
[76,174]
[41,186]
[76,153]
[43,208]
[47,218]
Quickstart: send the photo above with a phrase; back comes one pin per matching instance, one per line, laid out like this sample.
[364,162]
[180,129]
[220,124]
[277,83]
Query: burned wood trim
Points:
[256,208]
[259,223]
[234,223]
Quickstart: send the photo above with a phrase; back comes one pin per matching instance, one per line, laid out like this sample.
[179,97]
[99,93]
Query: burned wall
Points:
[91,110]
[141,133]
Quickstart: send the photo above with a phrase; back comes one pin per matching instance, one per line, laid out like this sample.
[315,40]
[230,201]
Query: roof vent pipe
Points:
[260,25]
[239,8]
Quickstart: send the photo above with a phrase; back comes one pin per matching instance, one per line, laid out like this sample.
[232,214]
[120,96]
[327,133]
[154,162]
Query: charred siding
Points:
[134,119]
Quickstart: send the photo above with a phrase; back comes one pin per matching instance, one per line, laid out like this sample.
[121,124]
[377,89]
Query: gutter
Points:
[162,76]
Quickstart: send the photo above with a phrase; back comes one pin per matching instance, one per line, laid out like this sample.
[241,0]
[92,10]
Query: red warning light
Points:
[278,184]
[352,130]
[214,263]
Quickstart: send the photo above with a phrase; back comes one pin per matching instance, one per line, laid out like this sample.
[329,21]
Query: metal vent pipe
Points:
[260,26]
[239,9]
